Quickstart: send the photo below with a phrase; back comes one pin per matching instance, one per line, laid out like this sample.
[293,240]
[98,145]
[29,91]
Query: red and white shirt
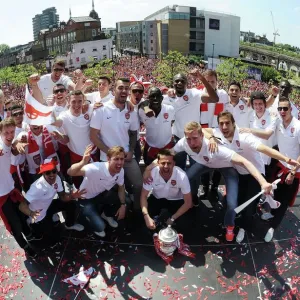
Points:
[241,113]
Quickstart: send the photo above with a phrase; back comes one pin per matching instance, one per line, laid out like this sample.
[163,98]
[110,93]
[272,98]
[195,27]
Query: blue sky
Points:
[16,19]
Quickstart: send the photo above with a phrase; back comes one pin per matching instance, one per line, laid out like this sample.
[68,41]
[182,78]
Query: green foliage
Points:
[170,65]
[195,59]
[3,48]
[17,74]
[269,73]
[232,69]
[102,68]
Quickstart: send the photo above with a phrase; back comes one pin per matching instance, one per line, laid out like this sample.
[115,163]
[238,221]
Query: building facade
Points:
[198,32]
[48,17]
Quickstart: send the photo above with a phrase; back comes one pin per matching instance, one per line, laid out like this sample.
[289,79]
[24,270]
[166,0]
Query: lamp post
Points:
[213,54]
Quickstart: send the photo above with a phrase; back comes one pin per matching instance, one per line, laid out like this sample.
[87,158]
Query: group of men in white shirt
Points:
[94,140]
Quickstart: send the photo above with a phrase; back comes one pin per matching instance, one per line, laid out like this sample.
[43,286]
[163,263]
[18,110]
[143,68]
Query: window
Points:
[104,47]
[151,41]
[151,48]
[151,25]
[82,59]
[104,56]
[94,49]
[151,33]
[214,24]
[82,51]
[87,24]
[94,32]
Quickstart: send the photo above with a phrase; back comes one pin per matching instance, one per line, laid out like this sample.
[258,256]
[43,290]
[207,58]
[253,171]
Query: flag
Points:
[35,112]
[82,278]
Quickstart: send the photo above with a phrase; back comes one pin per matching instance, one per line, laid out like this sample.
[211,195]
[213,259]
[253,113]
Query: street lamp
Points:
[213,54]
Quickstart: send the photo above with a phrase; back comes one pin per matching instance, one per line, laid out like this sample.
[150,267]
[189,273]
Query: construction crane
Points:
[275,30]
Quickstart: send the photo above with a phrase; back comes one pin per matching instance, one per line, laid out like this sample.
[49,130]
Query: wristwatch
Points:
[172,220]
[123,203]
[293,173]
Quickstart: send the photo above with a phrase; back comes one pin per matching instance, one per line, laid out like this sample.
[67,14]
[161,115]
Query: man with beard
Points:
[187,106]
[170,190]
[104,186]
[103,95]
[112,125]
[157,119]
[249,147]
[40,204]
[284,90]
[224,159]
[9,196]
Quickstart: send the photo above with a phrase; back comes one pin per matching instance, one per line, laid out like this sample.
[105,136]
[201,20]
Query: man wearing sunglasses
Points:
[40,204]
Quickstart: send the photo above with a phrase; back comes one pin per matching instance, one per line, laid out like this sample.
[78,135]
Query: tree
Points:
[102,68]
[269,73]
[232,69]
[3,48]
[195,59]
[169,66]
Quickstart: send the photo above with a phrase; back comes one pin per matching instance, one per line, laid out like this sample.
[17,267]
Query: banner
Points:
[36,113]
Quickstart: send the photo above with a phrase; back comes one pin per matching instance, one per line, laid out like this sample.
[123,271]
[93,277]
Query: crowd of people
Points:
[194,133]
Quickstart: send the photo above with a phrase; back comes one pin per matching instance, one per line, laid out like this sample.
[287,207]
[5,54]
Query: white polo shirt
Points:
[274,106]
[95,97]
[187,109]
[177,186]
[114,126]
[266,122]
[244,144]
[217,160]
[289,140]
[158,129]
[46,84]
[6,182]
[41,194]
[241,113]
[77,129]
[97,179]
[57,110]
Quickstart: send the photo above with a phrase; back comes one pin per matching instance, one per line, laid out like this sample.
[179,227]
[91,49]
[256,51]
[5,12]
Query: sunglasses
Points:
[138,91]
[54,171]
[282,108]
[58,70]
[59,91]
[36,128]
[17,114]
[7,109]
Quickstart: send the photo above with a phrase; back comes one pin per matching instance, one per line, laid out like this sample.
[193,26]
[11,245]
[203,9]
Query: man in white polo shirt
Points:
[157,119]
[187,106]
[251,148]
[9,196]
[170,190]
[113,124]
[239,109]
[41,205]
[104,186]
[103,95]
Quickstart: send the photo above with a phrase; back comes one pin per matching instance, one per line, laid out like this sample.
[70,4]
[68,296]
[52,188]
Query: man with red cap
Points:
[40,204]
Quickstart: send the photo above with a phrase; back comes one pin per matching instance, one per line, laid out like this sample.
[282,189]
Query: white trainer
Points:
[101,233]
[77,227]
[112,223]
[269,235]
[240,236]
[266,216]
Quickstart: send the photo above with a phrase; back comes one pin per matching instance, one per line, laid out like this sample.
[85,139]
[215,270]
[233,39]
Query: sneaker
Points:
[101,233]
[112,223]
[30,237]
[266,216]
[229,233]
[77,227]
[269,235]
[30,252]
[240,236]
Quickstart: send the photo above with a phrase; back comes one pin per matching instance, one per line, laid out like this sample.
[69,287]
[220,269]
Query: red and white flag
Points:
[35,112]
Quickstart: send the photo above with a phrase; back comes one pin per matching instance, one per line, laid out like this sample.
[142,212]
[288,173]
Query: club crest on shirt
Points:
[185,97]
[1,152]
[55,185]
[127,116]
[206,158]
[116,178]
[166,116]
[86,116]
[263,122]
[292,130]
[241,107]
[173,182]
[238,143]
